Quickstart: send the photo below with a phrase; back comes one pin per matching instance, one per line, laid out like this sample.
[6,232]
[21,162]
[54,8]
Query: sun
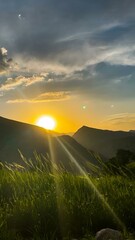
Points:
[46,122]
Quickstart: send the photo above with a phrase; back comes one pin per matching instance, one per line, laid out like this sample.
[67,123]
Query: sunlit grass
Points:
[94,188]
[36,204]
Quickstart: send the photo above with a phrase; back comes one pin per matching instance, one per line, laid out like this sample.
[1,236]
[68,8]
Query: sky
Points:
[73,60]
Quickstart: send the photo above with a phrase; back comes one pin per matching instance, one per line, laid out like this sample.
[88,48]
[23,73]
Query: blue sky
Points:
[69,53]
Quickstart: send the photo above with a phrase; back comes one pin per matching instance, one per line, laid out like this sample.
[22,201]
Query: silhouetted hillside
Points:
[25,137]
[104,141]
[28,138]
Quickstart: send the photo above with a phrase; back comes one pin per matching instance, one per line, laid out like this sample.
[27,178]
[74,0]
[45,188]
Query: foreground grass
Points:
[38,205]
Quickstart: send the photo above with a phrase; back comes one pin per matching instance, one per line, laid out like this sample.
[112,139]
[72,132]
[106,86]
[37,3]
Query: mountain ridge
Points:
[105,142]
[107,130]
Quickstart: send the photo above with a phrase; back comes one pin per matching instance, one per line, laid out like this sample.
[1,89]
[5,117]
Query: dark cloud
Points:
[113,71]
[44,23]
[108,82]
[124,33]
[93,40]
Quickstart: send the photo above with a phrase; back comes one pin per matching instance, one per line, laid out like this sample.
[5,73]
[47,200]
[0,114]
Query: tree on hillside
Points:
[123,157]
[118,163]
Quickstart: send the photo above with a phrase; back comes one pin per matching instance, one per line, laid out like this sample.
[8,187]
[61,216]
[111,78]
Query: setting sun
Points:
[46,122]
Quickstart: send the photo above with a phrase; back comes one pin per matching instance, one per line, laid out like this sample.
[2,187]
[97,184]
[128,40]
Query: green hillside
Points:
[38,205]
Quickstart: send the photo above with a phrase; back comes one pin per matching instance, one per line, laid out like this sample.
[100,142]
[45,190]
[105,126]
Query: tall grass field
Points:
[41,205]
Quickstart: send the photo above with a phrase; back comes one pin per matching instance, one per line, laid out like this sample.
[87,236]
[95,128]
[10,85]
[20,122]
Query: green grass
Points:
[38,205]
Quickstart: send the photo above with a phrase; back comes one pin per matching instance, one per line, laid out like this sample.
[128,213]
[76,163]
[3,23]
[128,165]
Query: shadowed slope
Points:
[16,136]
[104,141]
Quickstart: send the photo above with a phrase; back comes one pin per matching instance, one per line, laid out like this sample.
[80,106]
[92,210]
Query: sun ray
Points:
[91,184]
[56,175]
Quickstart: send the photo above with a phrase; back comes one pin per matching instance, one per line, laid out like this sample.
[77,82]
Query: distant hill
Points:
[28,138]
[105,142]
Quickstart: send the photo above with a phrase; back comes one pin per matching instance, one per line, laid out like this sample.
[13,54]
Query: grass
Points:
[39,205]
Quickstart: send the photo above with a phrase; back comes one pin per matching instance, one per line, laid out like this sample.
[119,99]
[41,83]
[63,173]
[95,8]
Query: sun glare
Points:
[46,122]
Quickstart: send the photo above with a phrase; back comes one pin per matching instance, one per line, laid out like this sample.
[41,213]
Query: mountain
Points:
[65,151]
[16,136]
[105,142]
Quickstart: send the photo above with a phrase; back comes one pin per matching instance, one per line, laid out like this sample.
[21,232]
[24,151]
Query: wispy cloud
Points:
[13,83]
[121,121]
[121,118]
[46,97]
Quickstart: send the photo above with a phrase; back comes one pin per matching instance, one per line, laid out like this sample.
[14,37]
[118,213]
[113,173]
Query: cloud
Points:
[103,80]
[45,97]
[84,47]
[52,96]
[121,116]
[13,83]
[3,60]
[32,80]
[121,120]
[69,34]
